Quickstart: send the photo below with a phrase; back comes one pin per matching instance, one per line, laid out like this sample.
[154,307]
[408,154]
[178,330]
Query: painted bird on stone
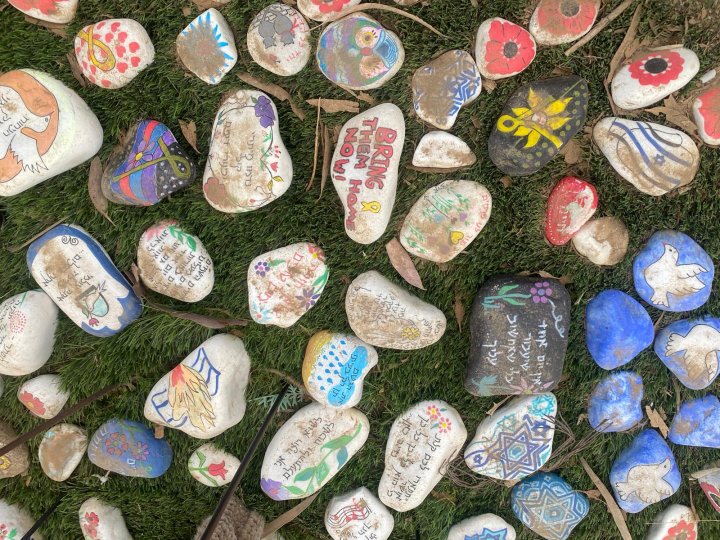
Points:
[646,482]
[15,120]
[188,394]
[700,349]
[665,276]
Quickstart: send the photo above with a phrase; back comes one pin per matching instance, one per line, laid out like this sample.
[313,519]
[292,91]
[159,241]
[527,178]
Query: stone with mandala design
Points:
[17,460]
[706,111]
[422,441]
[206,46]
[53,11]
[102,521]
[537,122]
[278,39]
[43,395]
[518,336]
[325,10]
[484,527]
[15,522]
[248,165]
[555,22]
[676,522]
[61,451]
[503,48]
[358,515]
[211,466]
[204,395]
[310,449]
[516,440]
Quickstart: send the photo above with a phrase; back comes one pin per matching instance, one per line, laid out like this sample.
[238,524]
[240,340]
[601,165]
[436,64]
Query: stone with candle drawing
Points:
[27,332]
[286,283]
[709,481]
[77,273]
[206,46]
[17,460]
[248,165]
[16,521]
[537,121]
[61,451]
[518,336]
[439,151]
[211,466]
[364,170]
[571,204]
[279,40]
[603,241]
[422,441]
[555,22]
[45,130]
[484,527]
[42,395]
[204,395]
[310,449]
[175,263]
[676,522]
[101,521]
[53,11]
[358,515]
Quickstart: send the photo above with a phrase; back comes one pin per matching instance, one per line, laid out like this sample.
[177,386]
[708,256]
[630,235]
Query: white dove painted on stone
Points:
[14,117]
[700,349]
[646,482]
[665,276]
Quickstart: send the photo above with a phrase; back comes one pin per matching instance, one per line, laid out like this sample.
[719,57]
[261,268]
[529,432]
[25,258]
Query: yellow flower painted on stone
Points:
[410,332]
[4,463]
[540,119]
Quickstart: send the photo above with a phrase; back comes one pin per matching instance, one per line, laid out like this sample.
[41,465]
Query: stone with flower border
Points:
[706,111]
[439,151]
[43,396]
[555,22]
[206,46]
[358,515]
[421,442]
[484,527]
[53,11]
[503,48]
[17,460]
[211,466]
[279,40]
[571,203]
[15,522]
[310,449]
[676,522]
[325,10]
[102,521]
[61,451]
[615,404]
[603,241]
[248,165]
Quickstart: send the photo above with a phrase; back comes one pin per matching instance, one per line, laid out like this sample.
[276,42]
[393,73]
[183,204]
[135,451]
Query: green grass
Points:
[173,505]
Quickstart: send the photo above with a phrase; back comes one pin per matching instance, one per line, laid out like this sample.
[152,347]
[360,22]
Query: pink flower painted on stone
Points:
[541,292]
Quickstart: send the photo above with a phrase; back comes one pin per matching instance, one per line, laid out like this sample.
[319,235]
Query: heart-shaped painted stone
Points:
[571,204]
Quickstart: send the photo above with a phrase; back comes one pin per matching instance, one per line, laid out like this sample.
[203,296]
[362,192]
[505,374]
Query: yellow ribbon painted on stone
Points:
[109,63]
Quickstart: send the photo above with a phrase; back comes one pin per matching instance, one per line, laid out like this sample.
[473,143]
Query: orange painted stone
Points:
[570,205]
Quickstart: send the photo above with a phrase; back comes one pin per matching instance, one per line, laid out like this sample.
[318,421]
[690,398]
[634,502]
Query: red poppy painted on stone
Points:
[561,21]
[570,205]
[706,110]
[503,48]
[656,68]
[684,530]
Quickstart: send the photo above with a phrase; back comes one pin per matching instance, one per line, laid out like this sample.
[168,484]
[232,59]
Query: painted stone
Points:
[175,263]
[445,85]
[644,473]
[439,151]
[310,449]
[537,121]
[27,332]
[615,403]
[571,204]
[54,11]
[204,395]
[45,130]
[617,329]
[359,515]
[519,335]
[335,367]
[112,52]
[211,466]
[516,440]
[653,76]
[503,49]
[61,451]
[549,506]
[42,396]
[484,527]
[77,273]
[421,442]
[689,348]
[358,53]
[697,423]
[555,22]
[248,165]
[673,273]
[676,522]
[286,283]
[709,481]
[206,46]
[17,460]
[15,522]
[279,40]
[386,315]
[325,10]
[446,219]
[129,448]
[706,111]
[364,170]
[101,521]
[603,241]
[150,167]
[655,159]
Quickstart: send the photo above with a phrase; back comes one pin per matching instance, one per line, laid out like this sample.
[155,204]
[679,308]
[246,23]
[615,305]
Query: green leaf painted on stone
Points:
[305,474]
[321,472]
[295,490]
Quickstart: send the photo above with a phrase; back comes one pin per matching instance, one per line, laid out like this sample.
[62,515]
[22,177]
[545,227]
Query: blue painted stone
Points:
[697,423]
[129,448]
[673,273]
[689,348]
[617,329]
[644,473]
[549,506]
[614,404]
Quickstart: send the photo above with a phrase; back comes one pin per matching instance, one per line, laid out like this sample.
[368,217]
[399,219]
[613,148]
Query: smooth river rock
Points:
[706,111]
[310,449]
[15,522]
[61,451]
[421,442]
[555,22]
[615,403]
[53,11]
[279,40]
[325,10]
[358,515]
[603,241]
[248,165]
[364,170]
[519,336]
[446,219]
[204,395]
[206,46]
[211,466]
[484,527]
[27,332]
[386,315]
[42,395]
[439,151]
[45,130]
[571,204]
[101,521]
[16,461]
[709,481]
[503,48]
[77,273]
[676,522]
[697,423]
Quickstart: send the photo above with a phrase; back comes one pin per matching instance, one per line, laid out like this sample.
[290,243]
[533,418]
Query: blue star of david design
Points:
[487,534]
[523,451]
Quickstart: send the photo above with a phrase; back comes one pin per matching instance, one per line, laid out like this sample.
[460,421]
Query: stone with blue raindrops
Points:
[673,273]
[644,473]
[484,527]
[697,423]
[206,46]
[614,404]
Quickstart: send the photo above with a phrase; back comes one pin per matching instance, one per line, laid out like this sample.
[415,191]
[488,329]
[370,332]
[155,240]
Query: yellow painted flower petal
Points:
[557,122]
[533,99]
[522,131]
[521,111]
[533,139]
[557,106]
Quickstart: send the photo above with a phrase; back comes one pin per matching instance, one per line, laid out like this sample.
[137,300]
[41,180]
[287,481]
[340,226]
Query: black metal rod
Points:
[39,523]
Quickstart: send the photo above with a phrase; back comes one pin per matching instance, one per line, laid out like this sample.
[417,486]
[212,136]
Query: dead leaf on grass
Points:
[335,105]
[401,261]
[97,196]
[189,131]
[657,421]
[459,310]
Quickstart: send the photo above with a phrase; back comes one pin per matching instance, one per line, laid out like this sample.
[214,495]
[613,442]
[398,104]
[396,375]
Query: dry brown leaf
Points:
[474,3]
[159,431]
[189,131]
[75,69]
[459,310]
[439,495]
[327,158]
[506,181]
[572,152]
[335,105]
[676,114]
[368,6]
[489,85]
[657,421]
[619,55]
[97,196]
[593,494]
[402,262]
[273,89]
[55,28]
[613,508]
[367,98]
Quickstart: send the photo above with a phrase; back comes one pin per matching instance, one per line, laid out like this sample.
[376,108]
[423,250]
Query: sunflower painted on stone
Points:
[657,68]
[188,394]
[539,120]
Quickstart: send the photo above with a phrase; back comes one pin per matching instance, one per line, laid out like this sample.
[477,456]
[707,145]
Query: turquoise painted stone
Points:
[697,423]
[129,448]
[614,404]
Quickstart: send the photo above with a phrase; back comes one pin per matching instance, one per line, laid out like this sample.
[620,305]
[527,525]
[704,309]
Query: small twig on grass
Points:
[599,27]
[382,7]
[327,149]
[316,150]
[612,506]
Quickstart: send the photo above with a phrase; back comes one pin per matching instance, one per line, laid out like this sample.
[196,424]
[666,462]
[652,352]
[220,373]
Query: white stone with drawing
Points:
[16,521]
[279,40]
[101,521]
[52,11]
[212,466]
[484,527]
[43,396]
[359,515]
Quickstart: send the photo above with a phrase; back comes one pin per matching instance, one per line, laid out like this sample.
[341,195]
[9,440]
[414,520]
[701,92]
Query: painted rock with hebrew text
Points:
[358,514]
[571,204]
[43,396]
[101,521]
[61,451]
[503,48]
[484,527]
[54,11]
[278,39]
[706,111]
[206,46]
[439,151]
[555,22]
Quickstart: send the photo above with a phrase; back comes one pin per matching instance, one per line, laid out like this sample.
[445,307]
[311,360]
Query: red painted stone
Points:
[570,205]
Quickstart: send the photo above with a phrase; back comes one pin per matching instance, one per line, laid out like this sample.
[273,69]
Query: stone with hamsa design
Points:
[359,515]
[279,40]
[537,121]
